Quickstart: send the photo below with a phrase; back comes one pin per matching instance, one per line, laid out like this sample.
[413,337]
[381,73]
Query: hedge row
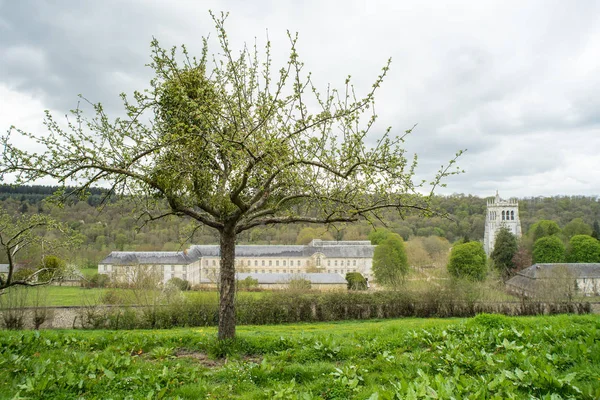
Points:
[277,308]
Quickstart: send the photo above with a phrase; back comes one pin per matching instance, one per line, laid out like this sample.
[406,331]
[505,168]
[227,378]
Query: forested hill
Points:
[115,226]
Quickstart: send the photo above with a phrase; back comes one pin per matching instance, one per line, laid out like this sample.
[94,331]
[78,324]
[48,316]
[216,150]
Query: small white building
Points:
[500,213]
[201,263]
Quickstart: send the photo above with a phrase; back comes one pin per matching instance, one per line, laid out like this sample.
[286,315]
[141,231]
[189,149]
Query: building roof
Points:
[331,249]
[579,270]
[146,257]
[316,278]
[525,279]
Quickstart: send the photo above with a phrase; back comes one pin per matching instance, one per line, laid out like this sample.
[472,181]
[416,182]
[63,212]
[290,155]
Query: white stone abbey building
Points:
[500,213]
[200,263]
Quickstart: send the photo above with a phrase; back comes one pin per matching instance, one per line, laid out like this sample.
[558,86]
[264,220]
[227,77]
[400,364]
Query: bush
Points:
[22,274]
[12,306]
[356,281]
[299,284]
[180,284]
[97,281]
[248,283]
[468,260]
[456,298]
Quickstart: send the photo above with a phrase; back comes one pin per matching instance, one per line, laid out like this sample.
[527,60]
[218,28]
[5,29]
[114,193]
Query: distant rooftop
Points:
[525,280]
[331,249]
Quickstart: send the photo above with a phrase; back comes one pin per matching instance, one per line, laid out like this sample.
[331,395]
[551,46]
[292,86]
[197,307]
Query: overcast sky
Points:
[516,83]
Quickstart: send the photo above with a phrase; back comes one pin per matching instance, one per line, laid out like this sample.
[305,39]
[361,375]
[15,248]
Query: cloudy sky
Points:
[516,83]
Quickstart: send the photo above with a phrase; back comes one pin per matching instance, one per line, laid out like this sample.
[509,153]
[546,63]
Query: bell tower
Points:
[500,213]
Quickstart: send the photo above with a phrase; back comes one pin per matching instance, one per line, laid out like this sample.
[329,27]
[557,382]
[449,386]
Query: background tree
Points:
[543,228]
[378,235]
[468,260]
[19,233]
[306,235]
[548,249]
[505,249]
[583,249]
[416,254]
[390,264]
[523,257]
[233,145]
[576,227]
[596,230]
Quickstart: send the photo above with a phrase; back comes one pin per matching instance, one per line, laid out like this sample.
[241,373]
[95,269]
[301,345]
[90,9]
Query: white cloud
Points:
[514,82]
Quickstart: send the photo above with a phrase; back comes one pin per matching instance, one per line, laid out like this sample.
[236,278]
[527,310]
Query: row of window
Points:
[510,215]
[162,268]
[214,271]
[506,215]
[269,263]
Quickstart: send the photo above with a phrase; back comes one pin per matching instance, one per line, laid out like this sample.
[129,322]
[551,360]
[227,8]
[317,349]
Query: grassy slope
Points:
[484,357]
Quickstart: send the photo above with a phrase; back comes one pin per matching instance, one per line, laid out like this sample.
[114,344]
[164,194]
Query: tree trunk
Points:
[227,279]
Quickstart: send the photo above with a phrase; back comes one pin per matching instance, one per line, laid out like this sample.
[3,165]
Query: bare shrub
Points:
[12,304]
[40,312]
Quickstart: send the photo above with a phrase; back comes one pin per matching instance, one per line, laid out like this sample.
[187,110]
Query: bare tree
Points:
[18,233]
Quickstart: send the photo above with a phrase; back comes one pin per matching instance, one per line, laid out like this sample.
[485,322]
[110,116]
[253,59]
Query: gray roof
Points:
[4,268]
[316,278]
[525,279]
[579,270]
[146,257]
[331,249]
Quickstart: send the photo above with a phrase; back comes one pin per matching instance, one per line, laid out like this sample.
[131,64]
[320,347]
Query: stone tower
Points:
[500,213]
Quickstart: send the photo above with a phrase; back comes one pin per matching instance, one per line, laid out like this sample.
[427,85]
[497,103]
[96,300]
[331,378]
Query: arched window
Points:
[502,215]
[512,215]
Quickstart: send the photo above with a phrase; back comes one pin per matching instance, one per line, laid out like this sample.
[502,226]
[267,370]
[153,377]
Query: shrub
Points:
[248,283]
[180,284]
[299,284]
[97,281]
[12,305]
[356,281]
[468,260]
[22,274]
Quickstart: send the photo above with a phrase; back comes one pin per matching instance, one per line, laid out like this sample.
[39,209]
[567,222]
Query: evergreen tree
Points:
[505,249]
[596,230]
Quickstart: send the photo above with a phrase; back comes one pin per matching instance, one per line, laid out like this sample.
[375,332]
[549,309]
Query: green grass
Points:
[70,295]
[487,357]
[77,296]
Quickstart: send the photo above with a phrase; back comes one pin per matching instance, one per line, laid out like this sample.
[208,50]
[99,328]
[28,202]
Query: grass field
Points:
[486,357]
[78,296]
